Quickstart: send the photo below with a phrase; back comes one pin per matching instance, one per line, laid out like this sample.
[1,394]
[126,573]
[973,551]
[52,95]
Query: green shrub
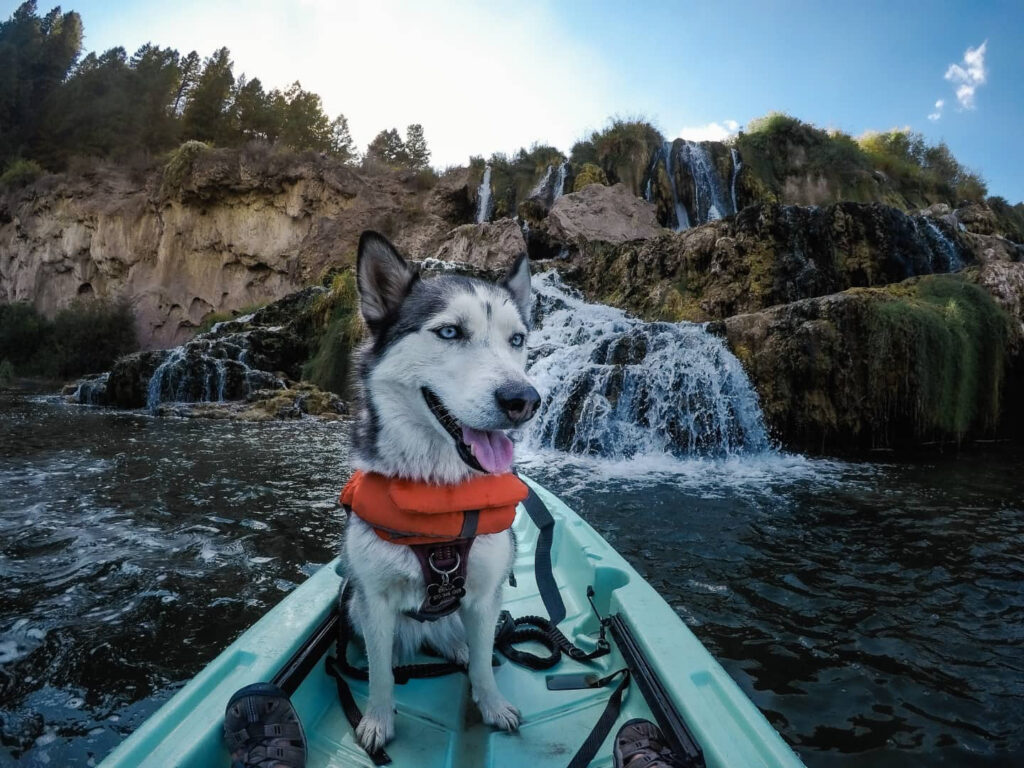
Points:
[88,336]
[179,164]
[6,373]
[23,332]
[20,173]
[624,150]
[589,174]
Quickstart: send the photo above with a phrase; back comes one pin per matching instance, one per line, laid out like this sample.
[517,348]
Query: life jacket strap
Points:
[444,574]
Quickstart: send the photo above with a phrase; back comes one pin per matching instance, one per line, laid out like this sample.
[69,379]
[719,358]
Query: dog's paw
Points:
[376,728]
[499,713]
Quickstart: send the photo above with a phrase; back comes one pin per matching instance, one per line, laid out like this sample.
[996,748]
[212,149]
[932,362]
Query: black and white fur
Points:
[398,435]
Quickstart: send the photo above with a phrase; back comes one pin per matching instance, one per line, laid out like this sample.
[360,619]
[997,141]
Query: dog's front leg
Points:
[480,617]
[378,723]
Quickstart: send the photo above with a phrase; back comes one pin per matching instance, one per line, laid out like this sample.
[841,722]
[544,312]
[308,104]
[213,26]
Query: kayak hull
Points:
[437,724]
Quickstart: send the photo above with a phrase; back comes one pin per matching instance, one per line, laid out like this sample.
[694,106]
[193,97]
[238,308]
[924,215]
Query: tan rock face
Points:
[240,229]
[491,245]
[604,214]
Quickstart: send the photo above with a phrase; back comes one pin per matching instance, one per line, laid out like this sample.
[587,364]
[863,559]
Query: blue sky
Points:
[482,77]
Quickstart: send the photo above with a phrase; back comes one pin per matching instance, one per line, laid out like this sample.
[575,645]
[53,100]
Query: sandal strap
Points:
[271,756]
[256,732]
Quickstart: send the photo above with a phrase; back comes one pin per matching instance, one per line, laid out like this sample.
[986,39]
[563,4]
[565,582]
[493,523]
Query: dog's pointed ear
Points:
[518,283]
[383,278]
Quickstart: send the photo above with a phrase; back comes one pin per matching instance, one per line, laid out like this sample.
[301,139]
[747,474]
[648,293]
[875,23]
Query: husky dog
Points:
[443,377]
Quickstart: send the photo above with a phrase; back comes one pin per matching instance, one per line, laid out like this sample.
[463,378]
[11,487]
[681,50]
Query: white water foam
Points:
[620,388]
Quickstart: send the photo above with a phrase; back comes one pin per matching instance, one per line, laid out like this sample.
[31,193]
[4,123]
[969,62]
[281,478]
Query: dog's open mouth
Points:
[482,449]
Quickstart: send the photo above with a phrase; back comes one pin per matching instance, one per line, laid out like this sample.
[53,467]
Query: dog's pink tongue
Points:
[492,449]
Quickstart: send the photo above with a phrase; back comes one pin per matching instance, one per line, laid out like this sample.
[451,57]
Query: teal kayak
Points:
[437,725]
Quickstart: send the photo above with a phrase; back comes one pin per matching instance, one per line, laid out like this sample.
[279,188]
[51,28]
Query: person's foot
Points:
[640,744]
[263,730]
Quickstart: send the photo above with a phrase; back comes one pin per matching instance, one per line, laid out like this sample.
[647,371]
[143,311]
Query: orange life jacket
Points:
[410,512]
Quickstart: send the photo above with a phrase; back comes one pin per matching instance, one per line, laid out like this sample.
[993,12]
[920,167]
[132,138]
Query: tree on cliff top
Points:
[416,147]
[206,116]
[36,55]
[388,148]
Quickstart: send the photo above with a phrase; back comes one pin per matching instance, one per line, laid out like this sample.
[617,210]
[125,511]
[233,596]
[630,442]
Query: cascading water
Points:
[618,387]
[563,172]
[542,186]
[682,217]
[949,254]
[737,166]
[483,195]
[210,368]
[708,204]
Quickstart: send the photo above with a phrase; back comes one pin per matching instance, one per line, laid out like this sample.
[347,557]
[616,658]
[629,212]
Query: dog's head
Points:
[443,372]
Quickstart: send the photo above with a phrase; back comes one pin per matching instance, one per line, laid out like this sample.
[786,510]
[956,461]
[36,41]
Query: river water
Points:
[874,612]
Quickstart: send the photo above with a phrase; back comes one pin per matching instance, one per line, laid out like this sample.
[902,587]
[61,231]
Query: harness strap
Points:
[597,735]
[444,576]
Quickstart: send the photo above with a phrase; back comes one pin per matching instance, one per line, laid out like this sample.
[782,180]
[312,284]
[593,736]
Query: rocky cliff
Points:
[229,230]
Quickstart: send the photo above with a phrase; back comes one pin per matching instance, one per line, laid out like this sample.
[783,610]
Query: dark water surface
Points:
[875,612]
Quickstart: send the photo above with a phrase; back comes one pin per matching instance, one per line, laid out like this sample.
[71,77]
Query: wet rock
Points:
[767,255]
[921,361]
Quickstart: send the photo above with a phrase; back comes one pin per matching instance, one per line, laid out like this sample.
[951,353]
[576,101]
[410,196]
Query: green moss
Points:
[337,329]
[179,164]
[589,174]
[220,317]
[936,356]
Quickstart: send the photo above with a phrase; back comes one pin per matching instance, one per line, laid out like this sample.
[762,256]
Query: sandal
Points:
[640,744]
[263,730]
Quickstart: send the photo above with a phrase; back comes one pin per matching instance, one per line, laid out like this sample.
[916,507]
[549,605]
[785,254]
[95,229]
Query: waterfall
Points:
[541,188]
[563,172]
[210,368]
[940,243]
[618,387]
[707,194]
[483,195]
[737,165]
[682,217]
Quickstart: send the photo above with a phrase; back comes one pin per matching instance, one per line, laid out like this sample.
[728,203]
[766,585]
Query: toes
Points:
[375,730]
[501,715]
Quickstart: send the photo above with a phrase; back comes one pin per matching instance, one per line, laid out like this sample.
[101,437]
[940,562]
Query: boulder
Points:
[490,246]
[601,214]
[923,361]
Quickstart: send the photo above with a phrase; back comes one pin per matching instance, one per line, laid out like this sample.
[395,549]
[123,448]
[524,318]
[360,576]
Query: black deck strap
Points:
[351,709]
[546,585]
[597,735]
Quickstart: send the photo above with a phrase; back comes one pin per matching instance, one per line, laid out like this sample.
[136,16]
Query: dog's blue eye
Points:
[449,332]
[517,340]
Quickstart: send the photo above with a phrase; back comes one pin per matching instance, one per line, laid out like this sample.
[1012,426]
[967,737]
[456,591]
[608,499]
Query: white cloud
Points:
[710,132]
[968,76]
[940,104]
[934,116]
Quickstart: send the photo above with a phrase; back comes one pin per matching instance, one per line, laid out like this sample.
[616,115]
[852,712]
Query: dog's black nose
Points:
[518,401]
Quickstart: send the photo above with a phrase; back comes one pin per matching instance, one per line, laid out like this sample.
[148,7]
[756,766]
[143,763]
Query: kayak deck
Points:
[437,725]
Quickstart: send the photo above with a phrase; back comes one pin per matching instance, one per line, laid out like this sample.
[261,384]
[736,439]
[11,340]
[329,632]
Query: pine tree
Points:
[387,147]
[342,145]
[416,147]
[206,116]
